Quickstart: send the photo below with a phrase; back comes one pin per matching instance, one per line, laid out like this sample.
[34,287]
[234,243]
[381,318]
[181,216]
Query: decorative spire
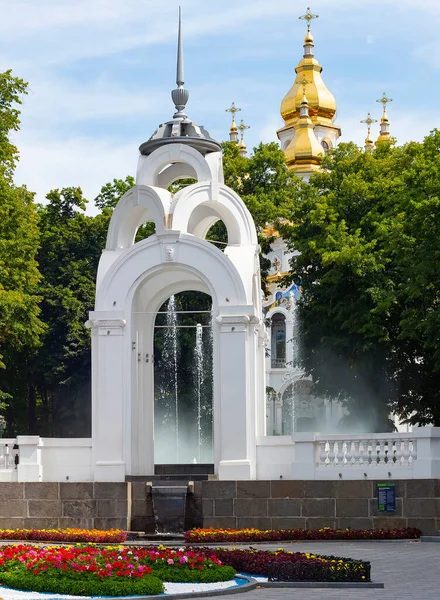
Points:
[180,95]
[242,127]
[308,40]
[384,135]
[233,133]
[368,141]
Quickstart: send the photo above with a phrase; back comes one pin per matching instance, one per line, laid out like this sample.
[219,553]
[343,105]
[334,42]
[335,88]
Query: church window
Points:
[278,341]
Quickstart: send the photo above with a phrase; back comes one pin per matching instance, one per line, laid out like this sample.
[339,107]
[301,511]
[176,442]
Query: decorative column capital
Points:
[106,326]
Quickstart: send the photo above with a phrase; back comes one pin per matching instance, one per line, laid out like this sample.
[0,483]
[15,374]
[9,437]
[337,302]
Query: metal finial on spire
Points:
[308,17]
[369,121]
[233,110]
[242,127]
[384,100]
[180,79]
[180,95]
[233,131]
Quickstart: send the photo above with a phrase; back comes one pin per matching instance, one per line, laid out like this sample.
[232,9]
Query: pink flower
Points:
[184,559]
[170,561]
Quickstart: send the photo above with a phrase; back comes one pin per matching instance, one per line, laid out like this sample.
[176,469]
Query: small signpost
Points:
[386,497]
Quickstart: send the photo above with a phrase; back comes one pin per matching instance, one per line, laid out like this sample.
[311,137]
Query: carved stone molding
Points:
[233,319]
[106,324]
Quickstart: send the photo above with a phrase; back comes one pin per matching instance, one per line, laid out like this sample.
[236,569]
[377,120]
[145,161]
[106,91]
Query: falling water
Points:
[289,396]
[171,358]
[199,379]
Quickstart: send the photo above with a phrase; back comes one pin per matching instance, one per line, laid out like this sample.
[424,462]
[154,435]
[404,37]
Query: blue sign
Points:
[386,497]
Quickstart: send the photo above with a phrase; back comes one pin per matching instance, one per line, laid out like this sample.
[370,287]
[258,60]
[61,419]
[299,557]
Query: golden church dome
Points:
[304,153]
[322,103]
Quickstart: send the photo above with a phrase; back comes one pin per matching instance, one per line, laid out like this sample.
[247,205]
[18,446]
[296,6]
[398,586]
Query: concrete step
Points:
[181,479]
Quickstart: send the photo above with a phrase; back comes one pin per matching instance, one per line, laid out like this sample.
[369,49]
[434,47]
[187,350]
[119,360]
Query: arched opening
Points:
[278,341]
[218,235]
[183,380]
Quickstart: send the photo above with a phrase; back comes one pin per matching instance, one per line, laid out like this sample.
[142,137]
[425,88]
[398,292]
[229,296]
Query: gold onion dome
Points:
[322,103]
[304,153]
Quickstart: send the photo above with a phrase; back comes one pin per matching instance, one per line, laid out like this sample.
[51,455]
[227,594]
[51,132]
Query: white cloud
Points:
[85,162]
[88,89]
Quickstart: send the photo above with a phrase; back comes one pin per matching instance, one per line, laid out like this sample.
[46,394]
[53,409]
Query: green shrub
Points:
[87,585]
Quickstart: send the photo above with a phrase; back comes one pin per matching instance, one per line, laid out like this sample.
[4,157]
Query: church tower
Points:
[321,106]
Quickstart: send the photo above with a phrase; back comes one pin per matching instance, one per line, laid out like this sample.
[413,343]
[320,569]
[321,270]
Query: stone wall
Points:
[313,504]
[52,505]
[264,504]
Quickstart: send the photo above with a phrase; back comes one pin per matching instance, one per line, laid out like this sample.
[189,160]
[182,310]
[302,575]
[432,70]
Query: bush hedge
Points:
[292,566]
[197,536]
[112,536]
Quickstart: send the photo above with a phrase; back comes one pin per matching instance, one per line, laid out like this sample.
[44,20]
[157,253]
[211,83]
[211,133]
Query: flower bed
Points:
[292,566]
[113,536]
[110,571]
[198,536]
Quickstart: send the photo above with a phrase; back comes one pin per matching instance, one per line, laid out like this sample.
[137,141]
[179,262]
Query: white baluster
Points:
[340,454]
[331,453]
[414,451]
[322,454]
[406,451]
[363,452]
[398,453]
[381,454]
[348,454]
[356,453]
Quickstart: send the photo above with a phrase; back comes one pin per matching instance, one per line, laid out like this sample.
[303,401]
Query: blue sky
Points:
[100,73]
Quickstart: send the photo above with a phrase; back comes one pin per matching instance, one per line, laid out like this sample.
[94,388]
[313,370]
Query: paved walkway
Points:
[408,570]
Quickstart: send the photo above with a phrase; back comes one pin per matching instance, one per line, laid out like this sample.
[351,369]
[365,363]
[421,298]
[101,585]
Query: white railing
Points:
[388,450]
[308,456]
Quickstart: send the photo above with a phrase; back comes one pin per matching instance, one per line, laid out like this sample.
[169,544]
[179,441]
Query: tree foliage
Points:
[20,325]
[367,232]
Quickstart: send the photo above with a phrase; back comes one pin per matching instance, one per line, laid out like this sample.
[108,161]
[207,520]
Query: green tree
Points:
[71,244]
[20,324]
[363,227]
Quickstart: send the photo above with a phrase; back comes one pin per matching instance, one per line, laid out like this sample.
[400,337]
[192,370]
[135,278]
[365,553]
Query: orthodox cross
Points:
[233,110]
[308,17]
[369,121]
[384,100]
[242,128]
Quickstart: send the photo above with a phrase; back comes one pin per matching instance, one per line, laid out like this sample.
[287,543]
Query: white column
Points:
[279,414]
[108,395]
[29,468]
[237,445]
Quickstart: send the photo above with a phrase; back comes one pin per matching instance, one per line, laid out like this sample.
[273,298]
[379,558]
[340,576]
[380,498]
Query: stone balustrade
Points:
[311,456]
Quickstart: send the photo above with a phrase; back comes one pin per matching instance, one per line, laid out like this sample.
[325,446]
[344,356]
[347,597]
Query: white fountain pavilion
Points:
[135,279]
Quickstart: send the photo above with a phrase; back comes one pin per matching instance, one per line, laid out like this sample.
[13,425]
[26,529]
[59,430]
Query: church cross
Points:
[369,121]
[308,17]
[242,128]
[384,100]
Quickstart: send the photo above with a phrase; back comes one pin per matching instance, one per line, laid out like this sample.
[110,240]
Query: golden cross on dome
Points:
[233,110]
[369,121]
[304,82]
[308,17]
[242,128]
[384,100]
